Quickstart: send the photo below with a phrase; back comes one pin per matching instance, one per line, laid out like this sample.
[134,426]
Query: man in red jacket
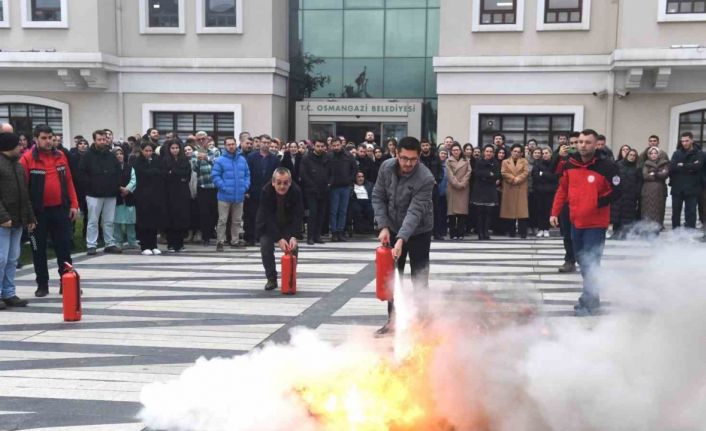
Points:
[51,190]
[589,183]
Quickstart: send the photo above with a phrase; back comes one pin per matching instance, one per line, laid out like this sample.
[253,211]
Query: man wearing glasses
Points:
[402,201]
[279,220]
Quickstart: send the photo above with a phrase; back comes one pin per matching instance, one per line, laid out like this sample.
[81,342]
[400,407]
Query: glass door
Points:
[321,131]
[393,130]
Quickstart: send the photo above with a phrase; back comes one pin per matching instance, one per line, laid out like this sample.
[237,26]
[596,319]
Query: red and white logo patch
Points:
[591,179]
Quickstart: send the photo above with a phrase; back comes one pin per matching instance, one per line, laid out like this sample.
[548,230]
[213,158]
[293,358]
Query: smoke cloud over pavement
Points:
[638,367]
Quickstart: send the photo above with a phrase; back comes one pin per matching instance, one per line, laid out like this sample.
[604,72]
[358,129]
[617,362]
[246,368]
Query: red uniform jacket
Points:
[49,178]
[589,189]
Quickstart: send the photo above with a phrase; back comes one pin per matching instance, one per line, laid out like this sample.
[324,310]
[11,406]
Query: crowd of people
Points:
[133,194]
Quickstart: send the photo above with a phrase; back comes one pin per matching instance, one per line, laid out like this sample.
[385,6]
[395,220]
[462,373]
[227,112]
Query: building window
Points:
[24,117]
[218,125]
[686,6]
[162,16]
[694,122]
[562,11]
[519,128]
[44,13]
[219,16]
[498,11]
[4,14]
[498,15]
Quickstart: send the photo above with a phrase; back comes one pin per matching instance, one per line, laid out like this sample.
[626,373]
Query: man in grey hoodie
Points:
[404,211]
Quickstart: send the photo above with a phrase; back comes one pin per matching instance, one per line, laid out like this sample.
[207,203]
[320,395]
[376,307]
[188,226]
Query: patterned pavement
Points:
[147,318]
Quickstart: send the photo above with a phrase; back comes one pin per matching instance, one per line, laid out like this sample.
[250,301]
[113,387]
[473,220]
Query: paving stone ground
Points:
[146,319]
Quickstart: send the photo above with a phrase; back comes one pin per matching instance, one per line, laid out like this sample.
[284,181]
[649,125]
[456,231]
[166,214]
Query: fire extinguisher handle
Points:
[68,267]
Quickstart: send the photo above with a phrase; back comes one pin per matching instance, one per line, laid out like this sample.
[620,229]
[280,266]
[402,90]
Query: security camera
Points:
[622,93]
[600,94]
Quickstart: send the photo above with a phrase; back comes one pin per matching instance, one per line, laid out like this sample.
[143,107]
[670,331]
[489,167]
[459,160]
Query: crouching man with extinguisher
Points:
[404,211]
[278,221]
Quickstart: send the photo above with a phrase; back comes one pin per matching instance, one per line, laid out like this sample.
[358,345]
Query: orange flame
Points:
[377,396]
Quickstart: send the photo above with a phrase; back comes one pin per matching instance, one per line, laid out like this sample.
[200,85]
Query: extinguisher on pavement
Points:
[289,273]
[384,267]
[71,288]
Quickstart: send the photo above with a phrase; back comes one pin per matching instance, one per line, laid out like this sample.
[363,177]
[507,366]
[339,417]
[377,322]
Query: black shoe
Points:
[15,301]
[319,241]
[205,243]
[19,265]
[271,285]
[91,251]
[387,329]
[41,292]
[567,267]
[342,237]
[334,237]
[219,247]
[310,242]
[2,305]
[250,243]
[112,250]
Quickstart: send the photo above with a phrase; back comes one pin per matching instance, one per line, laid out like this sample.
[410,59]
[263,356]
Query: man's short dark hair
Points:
[520,146]
[499,134]
[424,141]
[653,137]
[321,141]
[410,143]
[241,136]
[336,139]
[687,135]
[574,134]
[42,128]
[98,132]
[108,131]
[265,137]
[78,137]
[600,138]
[587,132]
[564,134]
[229,138]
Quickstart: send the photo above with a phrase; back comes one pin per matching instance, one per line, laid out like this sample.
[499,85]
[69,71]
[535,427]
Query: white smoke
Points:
[638,367]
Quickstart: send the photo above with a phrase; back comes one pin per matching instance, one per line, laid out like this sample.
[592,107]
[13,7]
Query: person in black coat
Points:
[341,170]
[279,220]
[76,154]
[544,183]
[150,198]
[623,211]
[177,170]
[292,160]
[685,178]
[366,165]
[361,205]
[484,195]
[314,175]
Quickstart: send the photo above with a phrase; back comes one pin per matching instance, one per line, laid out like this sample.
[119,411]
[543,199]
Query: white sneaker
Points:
[539,233]
[146,252]
[546,234]
[156,252]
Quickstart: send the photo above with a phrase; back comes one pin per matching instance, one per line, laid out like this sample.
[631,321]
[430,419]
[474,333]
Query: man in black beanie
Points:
[402,201]
[15,213]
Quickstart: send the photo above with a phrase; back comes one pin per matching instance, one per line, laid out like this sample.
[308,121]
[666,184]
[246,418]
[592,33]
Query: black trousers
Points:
[532,209]
[317,212]
[457,226]
[521,224]
[418,250]
[361,214]
[441,220]
[565,228]
[483,220]
[543,207]
[249,216]
[52,222]
[267,253]
[689,203]
[147,238]
[175,238]
[208,212]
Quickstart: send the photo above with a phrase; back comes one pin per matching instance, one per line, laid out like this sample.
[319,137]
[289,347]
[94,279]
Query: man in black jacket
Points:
[341,169]
[366,165]
[431,160]
[100,173]
[314,180]
[291,159]
[685,174]
[279,220]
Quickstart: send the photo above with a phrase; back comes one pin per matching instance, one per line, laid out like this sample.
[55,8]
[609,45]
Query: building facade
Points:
[306,68]
[533,68]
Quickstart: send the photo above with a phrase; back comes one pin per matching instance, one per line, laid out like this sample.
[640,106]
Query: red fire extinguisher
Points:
[289,273]
[384,267]
[71,287]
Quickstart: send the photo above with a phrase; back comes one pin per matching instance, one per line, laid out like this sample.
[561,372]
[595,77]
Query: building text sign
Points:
[349,107]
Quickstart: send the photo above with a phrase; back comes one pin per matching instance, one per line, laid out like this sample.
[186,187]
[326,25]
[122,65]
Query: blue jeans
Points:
[339,208]
[588,248]
[9,253]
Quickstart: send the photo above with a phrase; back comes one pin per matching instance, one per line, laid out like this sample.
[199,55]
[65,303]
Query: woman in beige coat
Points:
[458,172]
[515,173]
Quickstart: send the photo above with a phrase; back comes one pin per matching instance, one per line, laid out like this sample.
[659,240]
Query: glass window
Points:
[563,11]
[323,4]
[538,123]
[519,128]
[393,130]
[694,122]
[433,22]
[320,131]
[406,3]
[686,6]
[46,10]
[434,3]
[363,33]
[323,33]
[363,4]
[405,33]
[217,125]
[498,11]
[333,69]
[24,117]
[220,13]
[404,77]
[163,13]
[362,77]
[2,11]
[430,90]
